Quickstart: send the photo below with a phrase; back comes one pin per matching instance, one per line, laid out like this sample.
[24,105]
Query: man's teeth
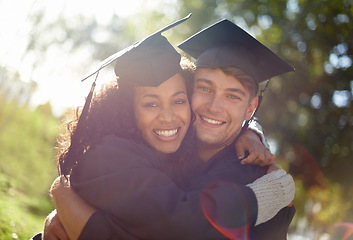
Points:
[167,133]
[211,121]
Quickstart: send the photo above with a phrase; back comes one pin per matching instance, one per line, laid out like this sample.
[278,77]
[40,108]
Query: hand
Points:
[72,211]
[60,184]
[53,229]
[249,142]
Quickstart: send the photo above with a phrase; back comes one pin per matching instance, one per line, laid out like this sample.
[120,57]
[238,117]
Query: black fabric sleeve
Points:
[145,203]
[275,228]
[99,227]
[97,221]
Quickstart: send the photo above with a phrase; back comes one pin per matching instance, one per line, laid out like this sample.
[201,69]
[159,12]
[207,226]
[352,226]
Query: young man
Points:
[230,64]
[217,127]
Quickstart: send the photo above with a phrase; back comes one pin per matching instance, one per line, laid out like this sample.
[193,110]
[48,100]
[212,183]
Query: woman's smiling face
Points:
[163,114]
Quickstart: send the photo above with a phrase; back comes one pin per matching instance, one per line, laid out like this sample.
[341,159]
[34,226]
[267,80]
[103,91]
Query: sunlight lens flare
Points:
[225,219]
[342,231]
[306,167]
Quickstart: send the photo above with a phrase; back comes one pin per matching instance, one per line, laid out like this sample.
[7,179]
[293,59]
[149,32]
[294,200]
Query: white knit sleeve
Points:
[273,191]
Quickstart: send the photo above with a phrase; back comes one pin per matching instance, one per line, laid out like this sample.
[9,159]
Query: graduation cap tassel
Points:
[88,100]
[246,124]
[76,147]
[261,95]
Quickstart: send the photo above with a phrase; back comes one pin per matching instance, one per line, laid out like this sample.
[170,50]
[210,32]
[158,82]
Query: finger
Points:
[60,232]
[55,233]
[262,163]
[250,159]
[240,150]
[53,229]
[265,159]
[270,159]
[49,236]
[261,159]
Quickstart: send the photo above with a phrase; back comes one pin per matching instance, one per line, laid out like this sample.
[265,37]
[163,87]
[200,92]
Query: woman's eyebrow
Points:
[179,92]
[151,95]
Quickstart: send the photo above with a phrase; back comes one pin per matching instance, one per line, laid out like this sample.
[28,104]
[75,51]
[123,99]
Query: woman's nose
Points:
[166,114]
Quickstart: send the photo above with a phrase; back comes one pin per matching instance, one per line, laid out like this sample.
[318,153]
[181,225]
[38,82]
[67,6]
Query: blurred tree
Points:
[308,113]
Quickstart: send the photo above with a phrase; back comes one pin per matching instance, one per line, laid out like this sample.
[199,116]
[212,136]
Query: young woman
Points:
[134,165]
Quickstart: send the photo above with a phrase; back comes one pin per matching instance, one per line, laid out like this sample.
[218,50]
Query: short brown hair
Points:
[245,79]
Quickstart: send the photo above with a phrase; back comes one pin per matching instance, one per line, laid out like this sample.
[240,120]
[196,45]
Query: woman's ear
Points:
[251,108]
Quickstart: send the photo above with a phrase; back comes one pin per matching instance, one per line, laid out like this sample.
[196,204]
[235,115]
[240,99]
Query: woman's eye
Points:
[150,104]
[180,101]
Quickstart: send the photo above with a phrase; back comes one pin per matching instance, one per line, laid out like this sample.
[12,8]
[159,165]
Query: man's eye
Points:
[233,97]
[203,89]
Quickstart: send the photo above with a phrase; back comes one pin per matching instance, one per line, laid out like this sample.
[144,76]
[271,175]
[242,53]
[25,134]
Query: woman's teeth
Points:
[166,133]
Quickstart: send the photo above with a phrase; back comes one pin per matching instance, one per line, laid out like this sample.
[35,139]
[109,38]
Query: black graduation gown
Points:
[138,201]
[224,166]
[120,178]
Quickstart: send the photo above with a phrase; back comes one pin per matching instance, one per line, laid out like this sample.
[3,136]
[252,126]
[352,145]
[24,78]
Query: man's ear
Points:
[251,108]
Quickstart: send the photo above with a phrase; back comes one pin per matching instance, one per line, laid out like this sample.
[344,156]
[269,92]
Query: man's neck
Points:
[206,151]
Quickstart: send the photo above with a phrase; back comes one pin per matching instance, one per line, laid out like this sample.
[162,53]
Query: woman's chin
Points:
[167,148]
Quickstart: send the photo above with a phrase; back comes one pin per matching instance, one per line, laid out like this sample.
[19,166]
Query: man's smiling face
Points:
[221,104]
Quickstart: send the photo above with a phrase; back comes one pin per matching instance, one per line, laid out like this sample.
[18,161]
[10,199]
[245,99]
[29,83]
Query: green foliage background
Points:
[311,132]
[27,167]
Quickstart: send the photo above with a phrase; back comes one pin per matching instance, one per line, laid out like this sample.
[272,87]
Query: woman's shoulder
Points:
[114,140]
[113,146]
[116,144]
[114,153]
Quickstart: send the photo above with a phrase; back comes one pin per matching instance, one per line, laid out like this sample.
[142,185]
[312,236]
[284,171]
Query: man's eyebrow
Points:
[204,80]
[236,90]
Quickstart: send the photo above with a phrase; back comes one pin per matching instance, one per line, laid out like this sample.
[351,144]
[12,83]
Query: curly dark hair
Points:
[111,113]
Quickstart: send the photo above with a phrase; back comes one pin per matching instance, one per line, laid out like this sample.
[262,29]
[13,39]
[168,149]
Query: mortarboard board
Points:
[148,62]
[226,44]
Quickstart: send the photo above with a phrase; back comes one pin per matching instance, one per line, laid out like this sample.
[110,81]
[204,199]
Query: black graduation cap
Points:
[148,62]
[226,44]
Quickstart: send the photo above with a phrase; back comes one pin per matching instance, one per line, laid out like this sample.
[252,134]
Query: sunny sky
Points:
[55,76]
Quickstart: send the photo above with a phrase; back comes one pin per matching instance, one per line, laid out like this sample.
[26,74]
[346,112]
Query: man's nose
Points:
[215,105]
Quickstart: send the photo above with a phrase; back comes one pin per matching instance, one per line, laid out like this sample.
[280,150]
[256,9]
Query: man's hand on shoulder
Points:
[250,143]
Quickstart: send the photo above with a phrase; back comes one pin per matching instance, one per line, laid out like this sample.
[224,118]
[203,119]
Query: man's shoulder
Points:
[228,158]
[225,165]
